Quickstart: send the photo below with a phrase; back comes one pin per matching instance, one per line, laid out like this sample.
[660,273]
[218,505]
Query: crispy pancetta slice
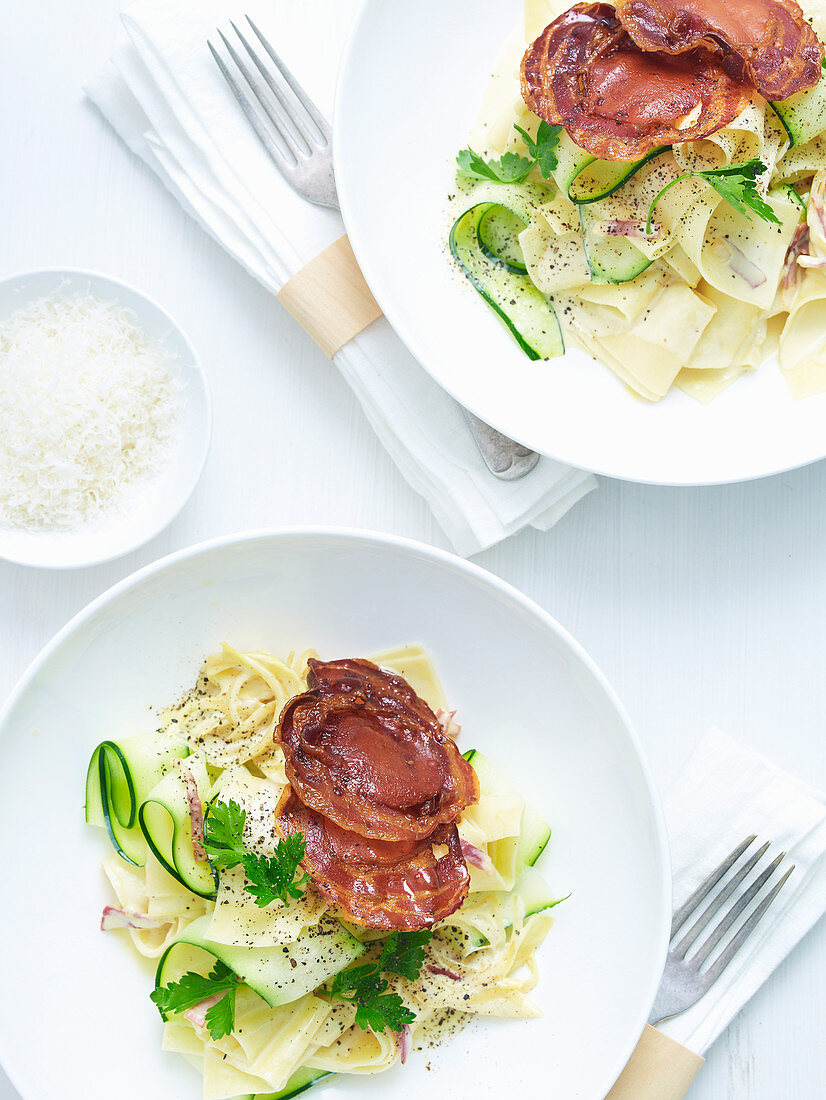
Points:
[364,750]
[393,885]
[766,43]
[617,101]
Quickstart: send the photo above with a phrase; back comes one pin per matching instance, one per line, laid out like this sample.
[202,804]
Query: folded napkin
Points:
[166,98]
[726,793]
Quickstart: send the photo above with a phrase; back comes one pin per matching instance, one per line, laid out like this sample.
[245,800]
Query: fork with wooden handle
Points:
[660,1068]
[298,140]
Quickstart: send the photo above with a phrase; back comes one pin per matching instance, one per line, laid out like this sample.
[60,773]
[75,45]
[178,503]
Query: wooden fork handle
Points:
[330,298]
[659,1069]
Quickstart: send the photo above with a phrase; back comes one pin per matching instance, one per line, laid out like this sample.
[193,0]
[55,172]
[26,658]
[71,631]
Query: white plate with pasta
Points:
[671,377]
[540,727]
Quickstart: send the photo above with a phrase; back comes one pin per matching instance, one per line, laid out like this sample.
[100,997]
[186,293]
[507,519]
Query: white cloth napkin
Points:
[166,98]
[726,793]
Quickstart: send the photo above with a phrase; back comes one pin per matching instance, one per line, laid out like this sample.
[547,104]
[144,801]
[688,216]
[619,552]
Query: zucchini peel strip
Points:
[303,1078]
[167,826]
[279,974]
[120,777]
[483,240]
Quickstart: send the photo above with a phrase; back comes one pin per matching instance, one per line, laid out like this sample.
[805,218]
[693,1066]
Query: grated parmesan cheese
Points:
[88,408]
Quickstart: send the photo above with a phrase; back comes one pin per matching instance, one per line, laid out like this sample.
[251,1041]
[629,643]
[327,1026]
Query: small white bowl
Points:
[156,503]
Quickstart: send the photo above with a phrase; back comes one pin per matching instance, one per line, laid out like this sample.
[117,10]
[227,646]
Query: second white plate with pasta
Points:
[411,87]
[76,1019]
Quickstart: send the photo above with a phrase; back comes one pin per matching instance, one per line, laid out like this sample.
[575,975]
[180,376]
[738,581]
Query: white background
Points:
[700,605]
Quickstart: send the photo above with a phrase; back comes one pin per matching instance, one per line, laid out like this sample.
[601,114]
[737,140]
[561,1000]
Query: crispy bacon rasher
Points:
[617,101]
[364,750]
[766,43]
[360,676]
[395,885]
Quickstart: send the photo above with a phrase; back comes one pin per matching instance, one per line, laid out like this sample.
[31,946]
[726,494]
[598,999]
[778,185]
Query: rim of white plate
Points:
[461,566]
[201,453]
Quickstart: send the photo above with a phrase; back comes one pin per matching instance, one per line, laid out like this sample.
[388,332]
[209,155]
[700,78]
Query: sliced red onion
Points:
[816,204]
[445,972]
[476,856]
[447,720]
[120,918]
[812,261]
[816,221]
[794,256]
[197,1014]
[405,1043]
[617,227]
[741,265]
[196,815]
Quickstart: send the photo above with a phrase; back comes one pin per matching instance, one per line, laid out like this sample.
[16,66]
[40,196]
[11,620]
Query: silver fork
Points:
[298,140]
[685,980]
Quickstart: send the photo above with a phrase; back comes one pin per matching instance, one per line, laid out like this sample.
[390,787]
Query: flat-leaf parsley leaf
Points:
[194,988]
[404,953]
[376,1009]
[738,186]
[365,987]
[223,834]
[269,878]
[511,167]
[272,877]
[543,149]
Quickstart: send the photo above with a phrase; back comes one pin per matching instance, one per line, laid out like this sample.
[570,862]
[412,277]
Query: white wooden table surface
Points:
[700,605]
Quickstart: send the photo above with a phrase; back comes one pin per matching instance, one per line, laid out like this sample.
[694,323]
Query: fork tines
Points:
[287,122]
[737,904]
[744,894]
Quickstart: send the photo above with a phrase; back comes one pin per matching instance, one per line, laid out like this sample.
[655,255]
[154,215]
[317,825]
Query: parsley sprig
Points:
[268,877]
[403,953]
[194,988]
[365,987]
[511,167]
[738,186]
[543,149]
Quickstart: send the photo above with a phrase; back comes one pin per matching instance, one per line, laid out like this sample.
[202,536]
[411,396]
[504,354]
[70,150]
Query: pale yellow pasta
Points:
[730,343]
[816,222]
[756,132]
[728,332]
[150,891]
[223,1079]
[625,303]
[677,260]
[481,920]
[742,259]
[492,980]
[647,351]
[803,341]
[167,897]
[802,160]
[705,385]
[554,260]
[356,1051]
[414,663]
[271,1043]
[232,712]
